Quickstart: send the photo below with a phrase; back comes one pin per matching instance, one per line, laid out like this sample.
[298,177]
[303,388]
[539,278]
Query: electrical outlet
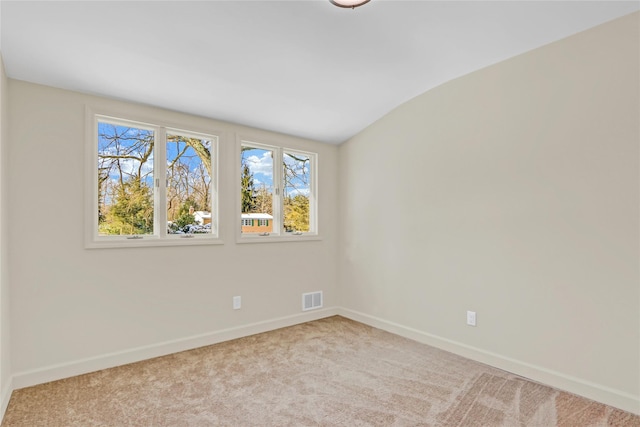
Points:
[237,303]
[471,318]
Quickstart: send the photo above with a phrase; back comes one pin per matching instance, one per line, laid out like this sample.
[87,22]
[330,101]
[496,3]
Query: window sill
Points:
[151,242]
[278,239]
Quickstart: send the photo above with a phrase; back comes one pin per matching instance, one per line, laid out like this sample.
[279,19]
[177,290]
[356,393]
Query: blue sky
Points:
[127,140]
[260,163]
[105,146]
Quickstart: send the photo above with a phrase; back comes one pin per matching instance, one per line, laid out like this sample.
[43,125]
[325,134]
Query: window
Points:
[188,191]
[152,185]
[278,188]
[296,193]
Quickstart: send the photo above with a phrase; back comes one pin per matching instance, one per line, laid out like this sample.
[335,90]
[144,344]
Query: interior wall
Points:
[71,305]
[5,333]
[512,192]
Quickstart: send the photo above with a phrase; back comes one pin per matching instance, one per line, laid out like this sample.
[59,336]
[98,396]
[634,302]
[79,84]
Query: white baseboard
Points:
[92,364]
[597,392]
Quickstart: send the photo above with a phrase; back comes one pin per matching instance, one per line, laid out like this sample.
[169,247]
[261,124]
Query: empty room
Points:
[320,213]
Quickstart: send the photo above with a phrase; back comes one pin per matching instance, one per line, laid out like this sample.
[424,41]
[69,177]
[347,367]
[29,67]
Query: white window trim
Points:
[278,151]
[160,237]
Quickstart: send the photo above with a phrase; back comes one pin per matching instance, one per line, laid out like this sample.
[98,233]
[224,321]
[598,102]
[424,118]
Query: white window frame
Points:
[277,235]
[160,236]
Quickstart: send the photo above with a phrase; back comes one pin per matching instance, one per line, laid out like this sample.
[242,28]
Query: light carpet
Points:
[330,372]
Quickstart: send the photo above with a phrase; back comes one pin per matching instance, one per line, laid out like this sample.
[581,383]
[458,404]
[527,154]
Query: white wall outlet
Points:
[237,303]
[471,318]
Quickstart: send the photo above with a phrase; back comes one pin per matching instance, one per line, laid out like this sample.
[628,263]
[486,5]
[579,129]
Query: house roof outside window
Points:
[256,216]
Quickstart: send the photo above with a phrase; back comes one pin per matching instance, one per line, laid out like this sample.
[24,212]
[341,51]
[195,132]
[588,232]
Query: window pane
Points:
[189,204]
[257,190]
[125,180]
[297,191]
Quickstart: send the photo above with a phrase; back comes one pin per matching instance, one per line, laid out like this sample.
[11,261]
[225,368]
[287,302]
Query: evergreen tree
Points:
[248,190]
[185,217]
[132,210]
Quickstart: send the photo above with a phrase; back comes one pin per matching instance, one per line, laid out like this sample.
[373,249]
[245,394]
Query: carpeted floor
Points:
[331,372]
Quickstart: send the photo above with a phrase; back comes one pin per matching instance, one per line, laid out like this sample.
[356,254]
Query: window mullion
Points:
[160,182]
[278,180]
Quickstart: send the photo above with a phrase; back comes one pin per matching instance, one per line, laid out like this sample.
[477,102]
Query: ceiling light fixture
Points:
[349,4]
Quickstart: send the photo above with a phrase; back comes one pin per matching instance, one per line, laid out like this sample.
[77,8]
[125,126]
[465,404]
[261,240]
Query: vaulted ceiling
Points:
[305,68]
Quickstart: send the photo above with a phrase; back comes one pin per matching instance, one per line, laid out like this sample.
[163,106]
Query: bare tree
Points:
[125,156]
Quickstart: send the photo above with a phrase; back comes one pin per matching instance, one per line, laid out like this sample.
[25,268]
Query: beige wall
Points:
[524,177]
[5,332]
[74,308]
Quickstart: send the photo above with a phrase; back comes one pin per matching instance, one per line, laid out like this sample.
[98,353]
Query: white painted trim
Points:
[278,151]
[160,237]
[5,396]
[279,238]
[91,364]
[590,390]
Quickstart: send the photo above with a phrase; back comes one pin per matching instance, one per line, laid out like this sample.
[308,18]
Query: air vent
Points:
[311,300]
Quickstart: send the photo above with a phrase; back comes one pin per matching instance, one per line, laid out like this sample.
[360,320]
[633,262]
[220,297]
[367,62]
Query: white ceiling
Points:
[305,68]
